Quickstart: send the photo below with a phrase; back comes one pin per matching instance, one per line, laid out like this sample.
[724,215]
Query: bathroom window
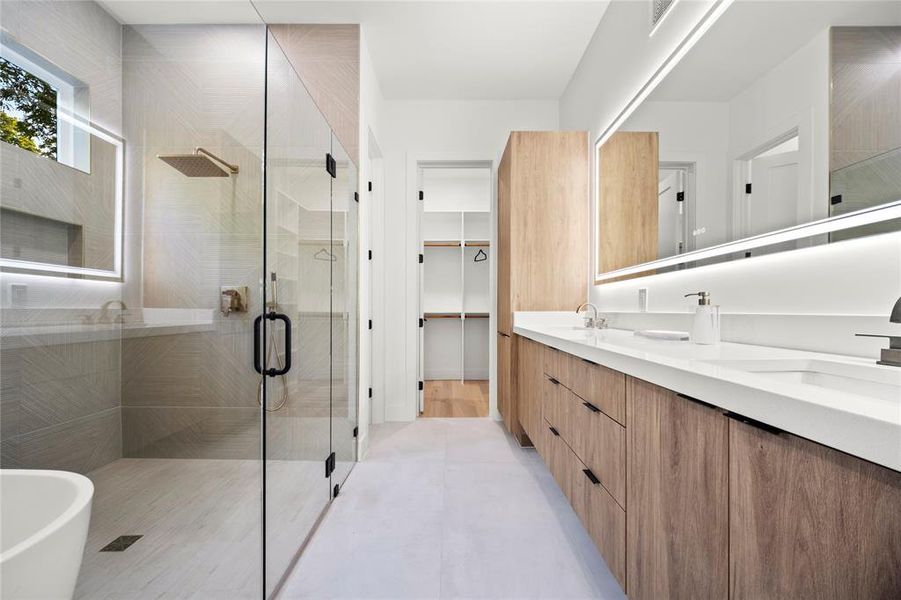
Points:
[42,108]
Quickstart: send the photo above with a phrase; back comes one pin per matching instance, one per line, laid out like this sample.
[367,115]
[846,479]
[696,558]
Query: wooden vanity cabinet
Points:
[685,500]
[602,516]
[529,384]
[678,503]
[807,521]
[543,223]
[601,387]
[505,379]
[601,444]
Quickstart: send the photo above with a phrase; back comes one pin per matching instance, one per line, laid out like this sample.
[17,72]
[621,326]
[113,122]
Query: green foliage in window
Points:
[27,110]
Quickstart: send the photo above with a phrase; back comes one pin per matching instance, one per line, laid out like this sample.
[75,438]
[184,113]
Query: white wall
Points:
[696,132]
[430,130]
[839,287]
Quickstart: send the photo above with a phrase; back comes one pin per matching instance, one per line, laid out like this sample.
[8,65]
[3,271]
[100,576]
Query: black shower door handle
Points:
[257,363]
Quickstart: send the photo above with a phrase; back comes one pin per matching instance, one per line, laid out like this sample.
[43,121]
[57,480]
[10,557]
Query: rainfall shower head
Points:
[200,164]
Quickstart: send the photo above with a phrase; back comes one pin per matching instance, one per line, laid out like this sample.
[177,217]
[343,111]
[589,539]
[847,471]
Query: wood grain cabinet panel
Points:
[560,464]
[529,384]
[504,378]
[556,408]
[543,230]
[600,443]
[602,387]
[677,494]
[603,518]
[807,521]
[557,365]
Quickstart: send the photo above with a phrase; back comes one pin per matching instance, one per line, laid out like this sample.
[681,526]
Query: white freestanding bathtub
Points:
[44,517]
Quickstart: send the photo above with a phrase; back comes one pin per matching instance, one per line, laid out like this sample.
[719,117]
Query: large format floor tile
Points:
[450,508]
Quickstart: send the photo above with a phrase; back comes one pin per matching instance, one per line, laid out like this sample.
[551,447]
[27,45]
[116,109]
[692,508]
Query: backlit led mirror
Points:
[736,153]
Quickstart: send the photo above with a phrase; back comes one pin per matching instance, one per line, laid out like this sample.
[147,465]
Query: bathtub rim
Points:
[84,494]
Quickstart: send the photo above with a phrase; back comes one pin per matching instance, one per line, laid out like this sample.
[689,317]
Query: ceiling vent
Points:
[659,10]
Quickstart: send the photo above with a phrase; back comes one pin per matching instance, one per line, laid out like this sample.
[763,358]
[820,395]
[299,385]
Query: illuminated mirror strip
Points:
[116,272]
[865,216]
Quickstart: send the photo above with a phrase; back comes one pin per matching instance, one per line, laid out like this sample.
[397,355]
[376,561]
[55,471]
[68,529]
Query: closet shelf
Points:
[476,315]
[443,315]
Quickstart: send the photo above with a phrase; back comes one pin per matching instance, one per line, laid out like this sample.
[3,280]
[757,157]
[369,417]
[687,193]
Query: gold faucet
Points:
[104,312]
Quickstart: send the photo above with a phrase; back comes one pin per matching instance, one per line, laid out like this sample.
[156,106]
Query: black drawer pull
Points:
[590,362]
[591,476]
[696,401]
[554,431]
[753,423]
[591,407]
[554,381]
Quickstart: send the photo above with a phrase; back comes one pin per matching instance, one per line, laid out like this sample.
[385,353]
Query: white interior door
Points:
[774,200]
[671,227]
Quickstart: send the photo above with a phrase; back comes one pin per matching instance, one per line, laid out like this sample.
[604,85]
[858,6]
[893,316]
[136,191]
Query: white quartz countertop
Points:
[865,426]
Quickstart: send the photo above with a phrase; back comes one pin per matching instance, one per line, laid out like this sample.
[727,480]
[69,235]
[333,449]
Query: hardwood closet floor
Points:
[455,398]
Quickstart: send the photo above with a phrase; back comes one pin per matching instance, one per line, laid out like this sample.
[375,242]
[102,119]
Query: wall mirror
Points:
[61,198]
[734,154]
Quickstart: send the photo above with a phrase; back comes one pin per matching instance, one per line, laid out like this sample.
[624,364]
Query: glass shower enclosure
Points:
[179,317]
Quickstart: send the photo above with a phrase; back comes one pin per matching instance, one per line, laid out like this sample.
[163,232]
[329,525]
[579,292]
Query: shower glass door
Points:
[299,262]
[344,325]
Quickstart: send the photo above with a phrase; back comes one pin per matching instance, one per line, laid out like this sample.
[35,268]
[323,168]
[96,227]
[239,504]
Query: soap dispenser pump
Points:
[706,326]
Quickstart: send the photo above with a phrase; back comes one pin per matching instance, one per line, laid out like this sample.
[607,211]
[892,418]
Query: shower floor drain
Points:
[121,543]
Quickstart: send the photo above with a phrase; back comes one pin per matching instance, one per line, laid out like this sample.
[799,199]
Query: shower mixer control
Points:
[232,299]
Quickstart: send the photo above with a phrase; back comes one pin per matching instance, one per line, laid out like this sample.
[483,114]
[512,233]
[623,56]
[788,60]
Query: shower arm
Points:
[232,168]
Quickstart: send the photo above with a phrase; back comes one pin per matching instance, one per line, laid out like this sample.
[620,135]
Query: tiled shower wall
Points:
[194,395]
[59,402]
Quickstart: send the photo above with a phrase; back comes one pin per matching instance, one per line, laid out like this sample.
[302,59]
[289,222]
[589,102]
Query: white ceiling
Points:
[427,49]
[754,36]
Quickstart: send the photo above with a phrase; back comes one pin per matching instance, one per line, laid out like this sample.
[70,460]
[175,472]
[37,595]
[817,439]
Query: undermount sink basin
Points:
[883,383]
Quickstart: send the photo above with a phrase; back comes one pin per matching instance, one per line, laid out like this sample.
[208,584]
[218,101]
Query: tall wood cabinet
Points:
[543,240]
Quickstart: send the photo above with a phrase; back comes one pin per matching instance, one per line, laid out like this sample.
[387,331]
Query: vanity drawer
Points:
[600,443]
[556,407]
[602,517]
[601,387]
[557,365]
[558,458]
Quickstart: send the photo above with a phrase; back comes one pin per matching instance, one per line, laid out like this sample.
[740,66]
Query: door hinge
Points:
[330,464]
[421,195]
[747,188]
[336,490]
[330,165]
[370,392]
[370,323]
[421,386]
[835,200]
[370,255]
[680,196]
[356,197]
[370,187]
[421,322]
[356,431]
[421,258]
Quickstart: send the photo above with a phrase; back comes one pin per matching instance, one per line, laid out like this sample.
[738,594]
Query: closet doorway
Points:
[455,288]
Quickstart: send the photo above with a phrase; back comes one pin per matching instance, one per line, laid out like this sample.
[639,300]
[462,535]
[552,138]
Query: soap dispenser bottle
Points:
[706,326]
